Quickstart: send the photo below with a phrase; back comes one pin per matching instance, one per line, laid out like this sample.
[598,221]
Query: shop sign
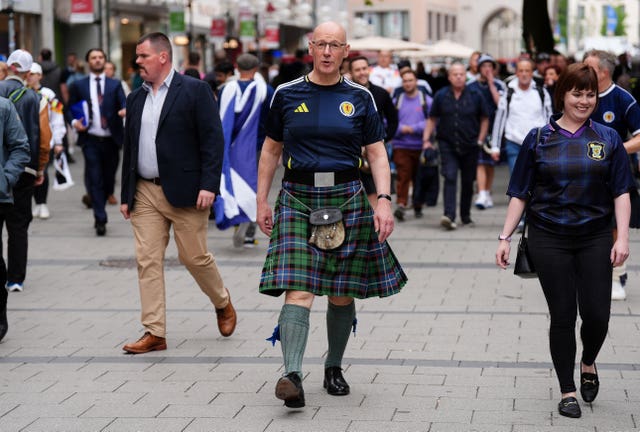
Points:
[247,25]
[271,35]
[81,12]
[176,21]
[218,28]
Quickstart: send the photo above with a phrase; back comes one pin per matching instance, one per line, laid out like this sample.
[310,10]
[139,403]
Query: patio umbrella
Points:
[375,43]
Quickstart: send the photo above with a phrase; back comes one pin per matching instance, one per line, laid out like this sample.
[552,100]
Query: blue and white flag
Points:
[240,114]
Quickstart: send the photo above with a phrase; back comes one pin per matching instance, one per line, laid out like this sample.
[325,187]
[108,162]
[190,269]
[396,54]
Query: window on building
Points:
[393,24]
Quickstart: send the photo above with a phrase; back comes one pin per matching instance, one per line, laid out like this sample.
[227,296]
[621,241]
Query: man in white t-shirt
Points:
[385,74]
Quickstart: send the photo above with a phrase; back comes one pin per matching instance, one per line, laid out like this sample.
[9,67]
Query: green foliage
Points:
[563,18]
[621,26]
[620,29]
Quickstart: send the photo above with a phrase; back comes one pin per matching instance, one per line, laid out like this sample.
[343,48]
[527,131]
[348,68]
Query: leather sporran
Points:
[327,228]
[524,265]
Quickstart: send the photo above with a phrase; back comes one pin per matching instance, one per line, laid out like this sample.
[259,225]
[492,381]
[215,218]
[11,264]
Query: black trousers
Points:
[17,220]
[40,192]
[575,274]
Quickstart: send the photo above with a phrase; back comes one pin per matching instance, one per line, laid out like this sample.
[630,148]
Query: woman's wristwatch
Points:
[504,237]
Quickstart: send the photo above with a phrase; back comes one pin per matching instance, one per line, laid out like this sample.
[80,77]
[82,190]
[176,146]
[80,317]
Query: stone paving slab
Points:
[463,348]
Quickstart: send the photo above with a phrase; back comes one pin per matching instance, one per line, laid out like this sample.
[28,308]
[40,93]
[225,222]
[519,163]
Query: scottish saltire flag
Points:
[240,113]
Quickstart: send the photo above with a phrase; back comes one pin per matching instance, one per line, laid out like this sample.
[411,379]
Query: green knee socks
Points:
[294,331]
[339,322]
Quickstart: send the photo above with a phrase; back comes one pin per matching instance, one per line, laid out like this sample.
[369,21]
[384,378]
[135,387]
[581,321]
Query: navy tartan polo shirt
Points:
[323,128]
[570,179]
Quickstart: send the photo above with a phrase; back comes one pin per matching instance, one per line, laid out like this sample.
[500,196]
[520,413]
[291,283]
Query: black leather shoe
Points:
[334,382]
[569,407]
[289,389]
[589,386]
[4,325]
[101,229]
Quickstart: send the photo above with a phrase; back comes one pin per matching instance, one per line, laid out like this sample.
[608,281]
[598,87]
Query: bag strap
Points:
[15,95]
[524,227]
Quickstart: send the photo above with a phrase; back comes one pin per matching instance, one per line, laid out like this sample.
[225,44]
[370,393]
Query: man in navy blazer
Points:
[172,160]
[100,135]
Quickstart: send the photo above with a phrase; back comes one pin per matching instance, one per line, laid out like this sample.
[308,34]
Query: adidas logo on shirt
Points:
[302,108]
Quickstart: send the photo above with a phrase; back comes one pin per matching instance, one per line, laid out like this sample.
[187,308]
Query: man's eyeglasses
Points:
[333,46]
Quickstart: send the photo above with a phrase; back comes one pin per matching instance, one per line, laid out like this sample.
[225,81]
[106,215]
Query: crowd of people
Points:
[353,137]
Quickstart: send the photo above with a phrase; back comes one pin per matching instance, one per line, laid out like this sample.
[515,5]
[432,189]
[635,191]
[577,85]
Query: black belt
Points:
[319,179]
[155,180]
[100,138]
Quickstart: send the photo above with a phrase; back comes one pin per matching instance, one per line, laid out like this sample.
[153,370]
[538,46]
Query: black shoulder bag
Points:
[524,265]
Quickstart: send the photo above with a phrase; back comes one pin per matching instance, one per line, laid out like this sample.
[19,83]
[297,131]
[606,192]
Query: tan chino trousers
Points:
[152,219]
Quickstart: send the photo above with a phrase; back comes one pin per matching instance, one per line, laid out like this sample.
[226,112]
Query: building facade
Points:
[594,24]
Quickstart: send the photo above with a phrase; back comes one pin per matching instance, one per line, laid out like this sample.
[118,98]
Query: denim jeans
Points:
[512,149]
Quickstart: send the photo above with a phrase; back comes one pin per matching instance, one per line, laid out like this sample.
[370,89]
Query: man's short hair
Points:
[247,62]
[86,57]
[45,54]
[159,41]
[355,59]
[607,60]
[224,67]
[408,71]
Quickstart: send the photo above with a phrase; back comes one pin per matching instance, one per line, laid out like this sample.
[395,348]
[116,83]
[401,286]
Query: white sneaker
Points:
[447,223]
[44,212]
[481,201]
[617,291]
[488,202]
[36,210]
[14,287]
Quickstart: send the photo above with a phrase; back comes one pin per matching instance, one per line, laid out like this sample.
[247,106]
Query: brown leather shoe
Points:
[112,200]
[86,200]
[226,319]
[145,344]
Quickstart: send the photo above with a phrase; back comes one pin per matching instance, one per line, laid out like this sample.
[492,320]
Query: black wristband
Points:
[385,196]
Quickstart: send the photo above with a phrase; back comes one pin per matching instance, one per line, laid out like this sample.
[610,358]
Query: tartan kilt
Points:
[361,267]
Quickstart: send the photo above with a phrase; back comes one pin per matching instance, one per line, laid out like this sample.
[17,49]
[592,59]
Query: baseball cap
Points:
[543,56]
[486,58]
[247,62]
[36,68]
[22,59]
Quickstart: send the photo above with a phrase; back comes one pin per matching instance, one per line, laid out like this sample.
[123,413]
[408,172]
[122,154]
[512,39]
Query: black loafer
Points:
[289,389]
[589,385]
[334,382]
[569,407]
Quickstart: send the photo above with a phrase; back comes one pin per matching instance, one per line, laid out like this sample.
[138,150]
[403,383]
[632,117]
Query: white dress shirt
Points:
[147,156]
[95,128]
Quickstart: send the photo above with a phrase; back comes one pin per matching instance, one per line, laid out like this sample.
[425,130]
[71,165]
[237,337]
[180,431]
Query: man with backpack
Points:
[413,110]
[523,106]
[18,218]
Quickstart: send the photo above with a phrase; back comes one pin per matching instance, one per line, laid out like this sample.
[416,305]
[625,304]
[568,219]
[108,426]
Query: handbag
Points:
[524,265]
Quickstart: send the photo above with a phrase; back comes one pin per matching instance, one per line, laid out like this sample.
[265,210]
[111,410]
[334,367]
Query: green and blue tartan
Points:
[362,267]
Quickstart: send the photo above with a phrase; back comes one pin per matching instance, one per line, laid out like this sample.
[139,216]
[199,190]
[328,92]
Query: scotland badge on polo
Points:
[595,150]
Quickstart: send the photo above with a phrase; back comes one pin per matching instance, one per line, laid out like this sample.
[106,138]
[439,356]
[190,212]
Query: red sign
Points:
[218,28]
[81,11]
[272,36]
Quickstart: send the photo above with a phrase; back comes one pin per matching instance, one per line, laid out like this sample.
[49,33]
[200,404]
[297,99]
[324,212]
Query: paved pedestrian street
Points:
[463,347]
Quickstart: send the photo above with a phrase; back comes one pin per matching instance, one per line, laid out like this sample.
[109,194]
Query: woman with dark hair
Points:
[572,176]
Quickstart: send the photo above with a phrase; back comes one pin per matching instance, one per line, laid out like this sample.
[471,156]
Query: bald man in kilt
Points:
[318,124]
